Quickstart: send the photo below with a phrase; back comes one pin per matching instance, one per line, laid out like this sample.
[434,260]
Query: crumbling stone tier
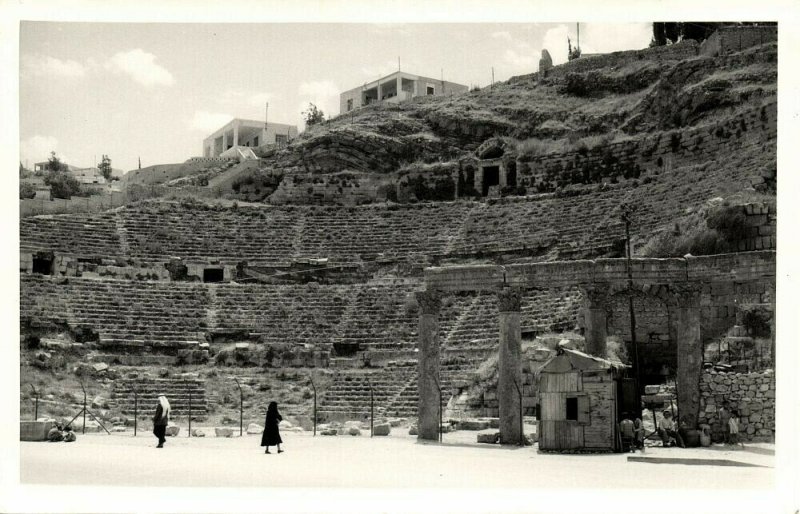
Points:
[135,317]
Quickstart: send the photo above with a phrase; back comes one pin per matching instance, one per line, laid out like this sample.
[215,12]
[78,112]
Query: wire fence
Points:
[189,412]
[104,202]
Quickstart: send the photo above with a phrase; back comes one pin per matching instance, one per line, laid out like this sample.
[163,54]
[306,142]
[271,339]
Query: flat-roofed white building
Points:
[395,88]
[247,133]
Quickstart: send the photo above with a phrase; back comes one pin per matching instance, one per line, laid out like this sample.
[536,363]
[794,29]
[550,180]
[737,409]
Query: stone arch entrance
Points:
[657,346]
[496,166]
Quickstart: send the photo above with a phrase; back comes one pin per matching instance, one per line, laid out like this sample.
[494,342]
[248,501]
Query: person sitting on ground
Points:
[669,434]
[69,435]
[55,435]
[626,431]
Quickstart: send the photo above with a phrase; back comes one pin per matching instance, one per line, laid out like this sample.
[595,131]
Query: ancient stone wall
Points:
[751,394]
[336,189]
[630,159]
[728,40]
[677,52]
[736,267]
[760,220]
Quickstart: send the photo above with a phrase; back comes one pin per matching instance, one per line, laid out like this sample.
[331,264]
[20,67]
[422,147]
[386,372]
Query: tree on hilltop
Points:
[55,164]
[62,185]
[105,167]
[313,115]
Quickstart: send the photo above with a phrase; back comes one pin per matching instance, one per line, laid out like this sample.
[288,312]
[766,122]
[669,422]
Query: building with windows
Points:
[237,133]
[395,88]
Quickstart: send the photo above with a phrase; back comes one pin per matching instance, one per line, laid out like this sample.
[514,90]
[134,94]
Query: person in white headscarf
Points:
[161,419]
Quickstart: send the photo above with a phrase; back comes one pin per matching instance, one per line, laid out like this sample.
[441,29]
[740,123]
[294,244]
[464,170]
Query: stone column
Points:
[595,319]
[236,134]
[428,376]
[686,330]
[224,141]
[509,365]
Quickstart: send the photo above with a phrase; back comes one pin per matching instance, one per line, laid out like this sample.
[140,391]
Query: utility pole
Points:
[627,213]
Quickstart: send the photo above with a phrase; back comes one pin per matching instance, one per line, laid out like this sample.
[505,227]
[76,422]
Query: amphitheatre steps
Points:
[177,390]
[349,394]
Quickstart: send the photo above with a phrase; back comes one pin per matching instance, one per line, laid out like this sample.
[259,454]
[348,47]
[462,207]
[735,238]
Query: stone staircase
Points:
[348,397]
[177,390]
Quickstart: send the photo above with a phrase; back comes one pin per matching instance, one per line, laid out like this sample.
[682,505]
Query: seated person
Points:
[55,435]
[69,435]
[626,432]
[668,431]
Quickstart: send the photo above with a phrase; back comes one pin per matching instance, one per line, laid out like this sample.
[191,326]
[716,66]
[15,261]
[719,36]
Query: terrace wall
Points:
[728,40]
[751,394]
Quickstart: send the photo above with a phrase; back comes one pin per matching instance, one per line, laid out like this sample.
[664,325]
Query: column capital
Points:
[429,301]
[509,299]
[685,295]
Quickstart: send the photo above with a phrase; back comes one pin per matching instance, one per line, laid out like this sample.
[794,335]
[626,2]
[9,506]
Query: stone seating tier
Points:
[177,390]
[584,223]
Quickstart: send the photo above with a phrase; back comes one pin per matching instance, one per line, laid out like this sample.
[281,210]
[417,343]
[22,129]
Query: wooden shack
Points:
[579,399]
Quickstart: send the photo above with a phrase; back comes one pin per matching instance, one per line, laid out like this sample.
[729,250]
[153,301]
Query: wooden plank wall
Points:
[600,433]
[560,382]
[555,432]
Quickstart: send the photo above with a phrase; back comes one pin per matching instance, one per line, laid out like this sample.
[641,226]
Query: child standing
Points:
[724,418]
[733,429]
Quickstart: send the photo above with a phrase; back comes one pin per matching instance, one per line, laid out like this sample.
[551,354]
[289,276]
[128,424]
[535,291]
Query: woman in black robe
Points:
[271,435]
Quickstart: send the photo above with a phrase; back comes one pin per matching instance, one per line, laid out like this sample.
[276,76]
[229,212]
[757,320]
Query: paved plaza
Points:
[396,461]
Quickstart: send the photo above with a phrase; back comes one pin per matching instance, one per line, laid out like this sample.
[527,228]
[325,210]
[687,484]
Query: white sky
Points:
[156,90]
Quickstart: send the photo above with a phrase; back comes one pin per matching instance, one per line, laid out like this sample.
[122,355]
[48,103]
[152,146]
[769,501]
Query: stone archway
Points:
[656,344]
[496,165]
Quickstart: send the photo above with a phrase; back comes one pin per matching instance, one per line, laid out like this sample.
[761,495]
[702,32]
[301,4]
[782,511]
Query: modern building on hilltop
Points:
[395,88]
[238,133]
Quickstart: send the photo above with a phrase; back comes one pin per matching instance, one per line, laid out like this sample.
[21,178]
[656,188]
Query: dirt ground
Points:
[394,461]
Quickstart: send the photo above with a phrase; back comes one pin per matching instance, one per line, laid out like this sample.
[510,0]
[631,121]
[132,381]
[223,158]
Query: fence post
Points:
[315,405]
[190,413]
[241,405]
[36,403]
[84,408]
[371,408]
